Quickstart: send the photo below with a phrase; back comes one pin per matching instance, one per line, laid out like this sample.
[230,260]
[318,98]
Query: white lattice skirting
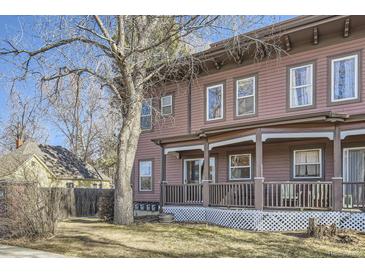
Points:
[265,220]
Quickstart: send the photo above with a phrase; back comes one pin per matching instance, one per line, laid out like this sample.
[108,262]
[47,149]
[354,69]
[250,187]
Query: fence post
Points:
[72,202]
[162,195]
[337,195]
[259,179]
[205,192]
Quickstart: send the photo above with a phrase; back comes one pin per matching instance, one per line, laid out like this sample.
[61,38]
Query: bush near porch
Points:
[94,238]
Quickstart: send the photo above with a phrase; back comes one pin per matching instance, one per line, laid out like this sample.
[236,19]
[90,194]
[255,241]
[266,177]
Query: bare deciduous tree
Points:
[128,56]
[78,115]
[24,121]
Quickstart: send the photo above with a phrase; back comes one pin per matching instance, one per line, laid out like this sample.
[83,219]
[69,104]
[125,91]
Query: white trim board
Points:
[233,141]
[184,148]
[284,135]
[352,132]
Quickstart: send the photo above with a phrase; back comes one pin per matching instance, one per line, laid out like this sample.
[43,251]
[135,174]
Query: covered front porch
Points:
[318,167]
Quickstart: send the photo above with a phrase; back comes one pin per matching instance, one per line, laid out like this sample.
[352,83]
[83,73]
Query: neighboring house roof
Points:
[60,161]
[65,164]
[9,163]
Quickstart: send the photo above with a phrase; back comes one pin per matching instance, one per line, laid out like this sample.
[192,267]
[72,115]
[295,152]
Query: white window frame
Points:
[246,96]
[200,166]
[356,56]
[140,176]
[320,164]
[346,164]
[292,88]
[162,105]
[207,103]
[142,115]
[249,166]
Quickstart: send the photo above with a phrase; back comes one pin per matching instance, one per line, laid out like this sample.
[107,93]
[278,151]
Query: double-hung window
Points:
[166,105]
[344,78]
[307,163]
[214,104]
[145,175]
[301,86]
[146,114]
[245,96]
[240,167]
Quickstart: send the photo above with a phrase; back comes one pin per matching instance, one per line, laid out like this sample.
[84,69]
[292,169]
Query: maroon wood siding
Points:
[272,103]
[272,90]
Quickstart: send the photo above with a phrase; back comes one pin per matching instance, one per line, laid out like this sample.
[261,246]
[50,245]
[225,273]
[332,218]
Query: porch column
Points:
[259,175]
[205,180]
[337,194]
[163,178]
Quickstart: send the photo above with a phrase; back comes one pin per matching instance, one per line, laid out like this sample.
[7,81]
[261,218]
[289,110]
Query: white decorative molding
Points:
[233,141]
[184,148]
[259,220]
[284,135]
[352,132]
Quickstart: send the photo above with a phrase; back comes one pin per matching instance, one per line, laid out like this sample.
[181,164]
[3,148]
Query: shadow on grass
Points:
[88,220]
[90,237]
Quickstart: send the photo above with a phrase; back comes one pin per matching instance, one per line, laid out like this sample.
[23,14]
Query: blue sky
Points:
[22,27]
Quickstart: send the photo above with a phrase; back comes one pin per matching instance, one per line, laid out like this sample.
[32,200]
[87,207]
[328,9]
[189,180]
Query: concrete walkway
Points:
[8,251]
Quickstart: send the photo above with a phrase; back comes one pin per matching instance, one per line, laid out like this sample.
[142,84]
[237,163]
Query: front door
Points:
[354,164]
[354,172]
[193,170]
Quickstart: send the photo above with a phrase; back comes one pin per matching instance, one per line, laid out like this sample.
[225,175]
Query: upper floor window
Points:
[301,86]
[308,163]
[166,105]
[240,167]
[215,102]
[245,96]
[145,175]
[344,78]
[146,114]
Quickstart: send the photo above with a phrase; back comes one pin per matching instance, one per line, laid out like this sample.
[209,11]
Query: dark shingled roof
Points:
[65,164]
[62,162]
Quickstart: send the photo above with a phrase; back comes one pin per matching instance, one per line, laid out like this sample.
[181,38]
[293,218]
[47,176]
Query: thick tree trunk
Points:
[127,148]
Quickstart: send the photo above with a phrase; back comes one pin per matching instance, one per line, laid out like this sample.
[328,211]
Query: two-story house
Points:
[281,132]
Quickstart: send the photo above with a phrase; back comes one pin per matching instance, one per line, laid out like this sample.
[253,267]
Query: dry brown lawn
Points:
[93,238]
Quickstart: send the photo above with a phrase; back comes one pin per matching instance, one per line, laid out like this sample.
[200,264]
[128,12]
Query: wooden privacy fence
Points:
[182,194]
[87,201]
[232,194]
[78,202]
[306,195]
[353,195]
